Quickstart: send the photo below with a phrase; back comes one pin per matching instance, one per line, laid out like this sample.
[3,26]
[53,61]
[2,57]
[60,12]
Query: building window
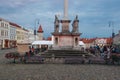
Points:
[2,24]
[6,33]
[2,32]
[56,41]
[76,41]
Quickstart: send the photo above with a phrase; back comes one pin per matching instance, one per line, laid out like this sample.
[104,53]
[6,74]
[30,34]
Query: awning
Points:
[43,42]
[81,43]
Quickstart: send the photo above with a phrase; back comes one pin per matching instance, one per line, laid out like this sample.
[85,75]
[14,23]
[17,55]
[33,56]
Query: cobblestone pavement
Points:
[3,60]
[10,71]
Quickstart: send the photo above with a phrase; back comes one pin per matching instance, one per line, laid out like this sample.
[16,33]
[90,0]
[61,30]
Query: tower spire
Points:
[65,9]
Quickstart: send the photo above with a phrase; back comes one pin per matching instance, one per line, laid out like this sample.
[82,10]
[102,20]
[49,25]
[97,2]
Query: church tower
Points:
[66,39]
[40,33]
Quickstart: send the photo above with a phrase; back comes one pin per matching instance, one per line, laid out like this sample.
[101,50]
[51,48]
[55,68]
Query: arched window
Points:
[76,41]
[56,41]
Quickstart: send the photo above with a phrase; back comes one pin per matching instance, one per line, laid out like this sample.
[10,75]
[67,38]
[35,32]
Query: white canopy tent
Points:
[82,44]
[49,43]
[43,42]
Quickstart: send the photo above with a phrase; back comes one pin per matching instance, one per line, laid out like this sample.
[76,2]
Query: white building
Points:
[31,35]
[101,41]
[38,36]
[12,35]
[4,33]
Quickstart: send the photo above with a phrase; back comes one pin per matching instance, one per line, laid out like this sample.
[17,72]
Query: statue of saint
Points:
[56,24]
[75,25]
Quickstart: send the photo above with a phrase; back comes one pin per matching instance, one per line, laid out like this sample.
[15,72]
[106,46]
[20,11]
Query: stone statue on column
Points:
[56,24]
[75,25]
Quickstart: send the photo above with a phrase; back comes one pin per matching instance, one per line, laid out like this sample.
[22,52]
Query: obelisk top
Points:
[65,10]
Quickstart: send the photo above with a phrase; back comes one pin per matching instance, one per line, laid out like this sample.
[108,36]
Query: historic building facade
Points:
[116,39]
[40,33]
[12,34]
[13,42]
[22,35]
[4,33]
[31,36]
[97,41]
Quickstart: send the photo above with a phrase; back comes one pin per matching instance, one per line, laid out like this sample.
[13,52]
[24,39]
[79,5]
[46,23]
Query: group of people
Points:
[32,51]
[103,51]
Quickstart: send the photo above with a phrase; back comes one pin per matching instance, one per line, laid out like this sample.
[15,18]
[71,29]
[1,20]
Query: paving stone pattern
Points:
[10,71]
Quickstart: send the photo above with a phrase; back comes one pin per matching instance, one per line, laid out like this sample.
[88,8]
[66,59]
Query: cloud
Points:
[14,3]
[93,15]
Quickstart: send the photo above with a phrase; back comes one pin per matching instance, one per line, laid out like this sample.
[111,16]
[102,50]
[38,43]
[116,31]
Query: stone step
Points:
[64,53]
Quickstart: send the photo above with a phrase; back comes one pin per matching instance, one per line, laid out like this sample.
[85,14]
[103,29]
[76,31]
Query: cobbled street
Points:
[20,71]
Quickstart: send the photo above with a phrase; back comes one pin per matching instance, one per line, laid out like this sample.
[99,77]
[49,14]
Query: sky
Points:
[94,15]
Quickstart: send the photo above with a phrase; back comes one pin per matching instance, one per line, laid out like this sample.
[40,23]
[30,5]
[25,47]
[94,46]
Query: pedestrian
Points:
[32,49]
[104,51]
[108,52]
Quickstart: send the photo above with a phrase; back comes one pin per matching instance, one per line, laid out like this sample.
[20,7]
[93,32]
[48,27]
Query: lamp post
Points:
[111,24]
[35,31]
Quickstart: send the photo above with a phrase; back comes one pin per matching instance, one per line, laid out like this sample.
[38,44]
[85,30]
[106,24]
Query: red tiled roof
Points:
[14,24]
[87,40]
[109,40]
[49,38]
[40,29]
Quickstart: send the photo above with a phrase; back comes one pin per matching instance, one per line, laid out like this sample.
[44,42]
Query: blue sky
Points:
[94,15]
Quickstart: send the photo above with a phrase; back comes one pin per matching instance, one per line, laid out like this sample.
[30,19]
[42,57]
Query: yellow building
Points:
[22,35]
[19,34]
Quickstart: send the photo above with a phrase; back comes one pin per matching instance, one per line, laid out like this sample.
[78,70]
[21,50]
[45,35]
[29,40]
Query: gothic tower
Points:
[40,33]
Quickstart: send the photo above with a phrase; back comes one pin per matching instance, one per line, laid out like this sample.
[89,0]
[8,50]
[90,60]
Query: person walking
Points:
[105,51]
[108,52]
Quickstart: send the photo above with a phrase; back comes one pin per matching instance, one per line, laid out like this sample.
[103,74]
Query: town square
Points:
[66,42]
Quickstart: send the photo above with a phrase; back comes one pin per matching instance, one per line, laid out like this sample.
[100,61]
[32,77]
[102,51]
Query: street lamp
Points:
[35,31]
[111,24]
